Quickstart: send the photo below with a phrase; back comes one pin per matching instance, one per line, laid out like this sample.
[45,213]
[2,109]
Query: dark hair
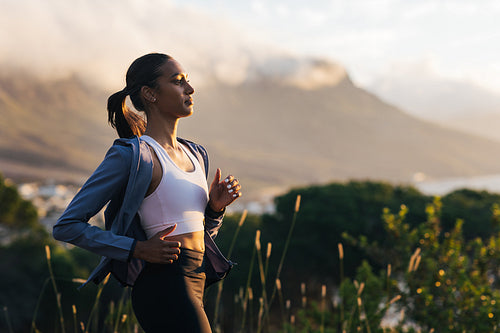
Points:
[142,72]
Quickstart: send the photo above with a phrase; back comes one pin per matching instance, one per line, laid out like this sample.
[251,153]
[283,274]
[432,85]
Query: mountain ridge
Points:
[268,133]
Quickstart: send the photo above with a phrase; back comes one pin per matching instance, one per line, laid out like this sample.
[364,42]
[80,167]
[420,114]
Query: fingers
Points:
[233,186]
[171,254]
[170,251]
[229,179]
[162,234]
[172,244]
[217,176]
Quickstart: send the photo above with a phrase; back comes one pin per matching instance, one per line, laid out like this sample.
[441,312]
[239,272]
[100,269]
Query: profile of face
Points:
[172,94]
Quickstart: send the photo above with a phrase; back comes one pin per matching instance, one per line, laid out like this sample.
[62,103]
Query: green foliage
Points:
[442,275]
[330,210]
[449,282]
[474,207]
[15,212]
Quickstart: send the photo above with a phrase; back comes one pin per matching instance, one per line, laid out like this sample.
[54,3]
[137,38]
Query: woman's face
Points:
[173,91]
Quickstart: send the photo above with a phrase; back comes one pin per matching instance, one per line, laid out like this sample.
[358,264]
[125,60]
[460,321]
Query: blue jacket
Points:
[121,182]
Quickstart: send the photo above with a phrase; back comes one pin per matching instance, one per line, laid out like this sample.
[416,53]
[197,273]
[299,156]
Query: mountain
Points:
[270,132]
[50,129]
[462,105]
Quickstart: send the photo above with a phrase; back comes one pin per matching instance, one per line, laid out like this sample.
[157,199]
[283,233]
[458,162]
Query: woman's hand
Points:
[223,193]
[157,250]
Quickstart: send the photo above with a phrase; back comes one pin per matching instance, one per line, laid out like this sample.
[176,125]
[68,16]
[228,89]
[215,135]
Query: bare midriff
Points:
[191,240]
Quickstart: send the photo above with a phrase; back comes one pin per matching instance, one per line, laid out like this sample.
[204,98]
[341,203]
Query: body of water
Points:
[490,183]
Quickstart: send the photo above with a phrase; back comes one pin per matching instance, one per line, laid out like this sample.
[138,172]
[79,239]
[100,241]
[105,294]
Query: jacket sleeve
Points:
[106,182]
[213,221]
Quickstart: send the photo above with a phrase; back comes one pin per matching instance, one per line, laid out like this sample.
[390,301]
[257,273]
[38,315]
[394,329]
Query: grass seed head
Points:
[257,240]
[47,252]
[297,203]
[269,247]
[243,217]
[361,287]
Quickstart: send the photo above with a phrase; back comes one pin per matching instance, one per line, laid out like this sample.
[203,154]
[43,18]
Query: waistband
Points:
[192,254]
[189,262]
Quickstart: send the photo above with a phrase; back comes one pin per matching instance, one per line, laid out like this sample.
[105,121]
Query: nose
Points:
[189,89]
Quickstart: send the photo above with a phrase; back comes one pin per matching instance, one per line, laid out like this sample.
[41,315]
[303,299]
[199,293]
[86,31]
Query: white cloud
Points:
[259,8]
[282,10]
[101,38]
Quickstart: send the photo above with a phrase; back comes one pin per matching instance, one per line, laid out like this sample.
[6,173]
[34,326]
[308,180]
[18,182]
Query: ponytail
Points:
[144,71]
[126,122]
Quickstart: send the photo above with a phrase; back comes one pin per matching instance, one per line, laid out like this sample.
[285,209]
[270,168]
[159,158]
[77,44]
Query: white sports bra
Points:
[180,198]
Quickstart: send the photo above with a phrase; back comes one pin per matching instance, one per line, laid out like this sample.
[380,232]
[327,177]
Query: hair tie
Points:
[129,91]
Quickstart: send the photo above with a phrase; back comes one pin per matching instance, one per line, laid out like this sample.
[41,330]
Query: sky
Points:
[373,39]
[456,39]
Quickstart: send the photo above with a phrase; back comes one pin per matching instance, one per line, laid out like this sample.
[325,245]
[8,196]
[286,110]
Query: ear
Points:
[148,94]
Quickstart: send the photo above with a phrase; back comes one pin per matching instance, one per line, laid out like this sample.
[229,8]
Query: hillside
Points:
[50,129]
[269,133]
[287,135]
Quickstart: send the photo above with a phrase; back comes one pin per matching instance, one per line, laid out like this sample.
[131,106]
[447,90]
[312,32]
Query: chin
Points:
[188,113]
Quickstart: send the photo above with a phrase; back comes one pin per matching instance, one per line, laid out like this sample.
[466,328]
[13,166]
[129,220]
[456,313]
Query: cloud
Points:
[99,39]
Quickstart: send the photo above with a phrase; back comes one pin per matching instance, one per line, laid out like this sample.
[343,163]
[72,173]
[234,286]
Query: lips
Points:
[189,102]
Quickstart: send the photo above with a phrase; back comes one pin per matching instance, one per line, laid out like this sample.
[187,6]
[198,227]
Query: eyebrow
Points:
[177,74]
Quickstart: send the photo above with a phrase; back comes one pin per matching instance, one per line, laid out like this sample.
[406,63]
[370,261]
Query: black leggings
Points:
[169,298]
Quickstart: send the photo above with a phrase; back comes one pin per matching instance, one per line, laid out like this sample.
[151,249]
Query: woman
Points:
[161,216]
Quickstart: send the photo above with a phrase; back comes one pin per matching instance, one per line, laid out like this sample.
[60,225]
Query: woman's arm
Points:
[221,195]
[110,177]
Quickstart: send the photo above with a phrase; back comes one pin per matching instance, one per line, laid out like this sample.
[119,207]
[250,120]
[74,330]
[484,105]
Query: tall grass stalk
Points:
[388,281]
[229,253]
[282,305]
[75,324]
[346,326]
[33,325]
[266,269]
[288,307]
[95,307]
[56,292]
[6,314]
[119,311]
[263,299]
[413,265]
[303,294]
[362,315]
[341,265]
[323,310]
[285,249]
[250,308]
[247,287]
[260,315]
[268,255]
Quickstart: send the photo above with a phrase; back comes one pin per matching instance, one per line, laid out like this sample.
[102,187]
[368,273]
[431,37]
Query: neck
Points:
[164,132]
